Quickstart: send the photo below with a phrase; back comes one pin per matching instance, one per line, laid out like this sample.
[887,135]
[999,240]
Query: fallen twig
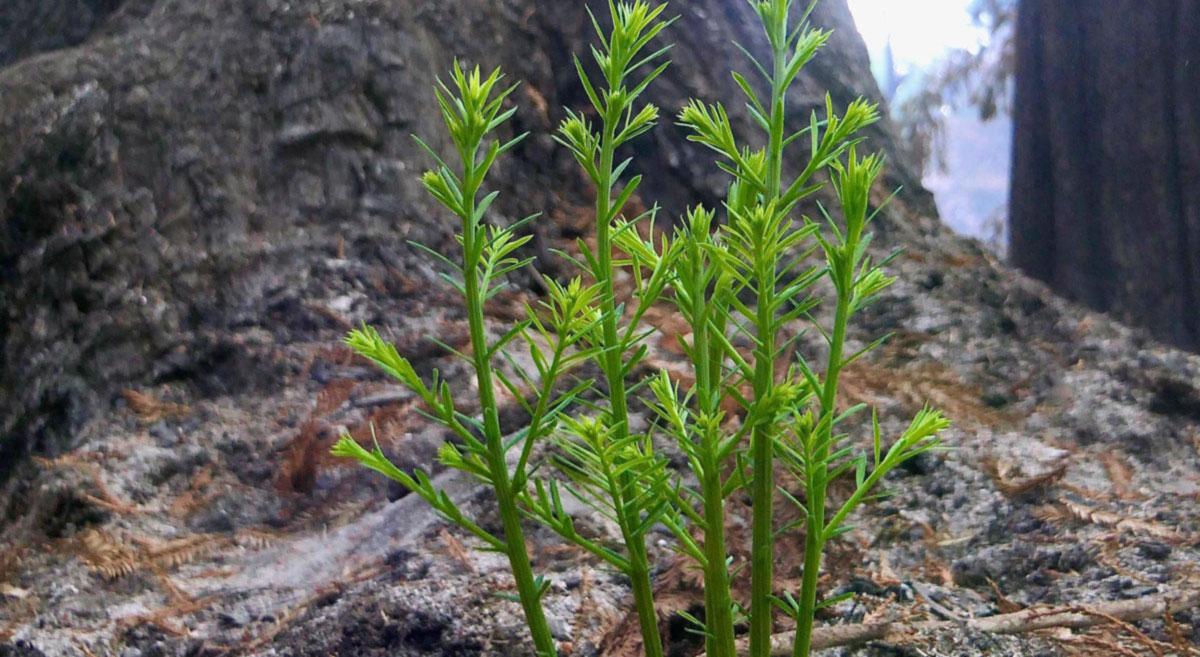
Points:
[151,409]
[1014,488]
[1021,622]
[1071,510]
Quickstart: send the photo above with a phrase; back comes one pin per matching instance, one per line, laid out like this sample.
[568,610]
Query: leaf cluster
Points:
[739,275]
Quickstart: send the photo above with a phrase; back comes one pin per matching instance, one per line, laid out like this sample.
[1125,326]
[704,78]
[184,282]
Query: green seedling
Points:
[740,275]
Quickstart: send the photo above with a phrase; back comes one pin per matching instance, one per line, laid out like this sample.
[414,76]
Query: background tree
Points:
[979,79]
[1105,202]
[954,118]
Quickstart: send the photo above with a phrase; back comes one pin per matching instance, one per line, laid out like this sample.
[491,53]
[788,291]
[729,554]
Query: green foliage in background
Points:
[737,275]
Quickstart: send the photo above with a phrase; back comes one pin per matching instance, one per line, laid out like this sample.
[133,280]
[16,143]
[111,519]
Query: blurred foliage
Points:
[981,80]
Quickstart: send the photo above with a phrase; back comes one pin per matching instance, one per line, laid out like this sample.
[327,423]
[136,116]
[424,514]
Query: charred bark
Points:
[1105,200]
[176,187]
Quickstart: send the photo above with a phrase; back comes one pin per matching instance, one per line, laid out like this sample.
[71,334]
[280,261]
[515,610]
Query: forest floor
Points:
[220,526]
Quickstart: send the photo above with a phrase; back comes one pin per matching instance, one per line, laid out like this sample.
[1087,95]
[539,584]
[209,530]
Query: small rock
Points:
[920,465]
[994,399]
[1155,550]
[20,648]
[342,304]
[931,280]
[1000,563]
[163,434]
[234,618]
[862,586]
[990,296]
[1139,592]
[1074,559]
[939,487]
[560,627]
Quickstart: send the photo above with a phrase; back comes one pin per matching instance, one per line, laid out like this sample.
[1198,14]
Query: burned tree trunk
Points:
[189,187]
[1106,169]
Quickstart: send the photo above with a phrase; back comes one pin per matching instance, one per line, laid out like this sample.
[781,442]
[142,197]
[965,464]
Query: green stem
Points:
[613,365]
[813,546]
[855,498]
[539,414]
[510,516]
[643,596]
[639,566]
[718,603]
[774,179]
[612,357]
[815,543]
[763,490]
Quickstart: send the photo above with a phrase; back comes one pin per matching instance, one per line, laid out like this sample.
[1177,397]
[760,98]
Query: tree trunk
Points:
[176,187]
[1105,200]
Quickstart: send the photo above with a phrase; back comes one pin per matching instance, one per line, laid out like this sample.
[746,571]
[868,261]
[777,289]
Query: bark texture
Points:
[176,187]
[1106,171]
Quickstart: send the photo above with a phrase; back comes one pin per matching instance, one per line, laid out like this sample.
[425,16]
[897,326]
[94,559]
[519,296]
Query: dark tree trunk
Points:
[1106,167]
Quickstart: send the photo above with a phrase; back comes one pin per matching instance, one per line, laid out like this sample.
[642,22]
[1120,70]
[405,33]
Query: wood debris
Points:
[11,557]
[107,557]
[336,393]
[83,647]
[332,315]
[113,559]
[1106,647]
[1120,474]
[1179,640]
[162,618]
[457,550]
[1002,474]
[1070,510]
[874,381]
[151,409]
[252,644]
[10,591]
[1025,621]
[1120,623]
[103,497]
[1005,605]
[304,455]
[676,589]
[196,494]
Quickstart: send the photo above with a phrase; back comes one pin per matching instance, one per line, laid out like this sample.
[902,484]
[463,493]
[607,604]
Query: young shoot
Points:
[741,276]
[611,467]
[473,109]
